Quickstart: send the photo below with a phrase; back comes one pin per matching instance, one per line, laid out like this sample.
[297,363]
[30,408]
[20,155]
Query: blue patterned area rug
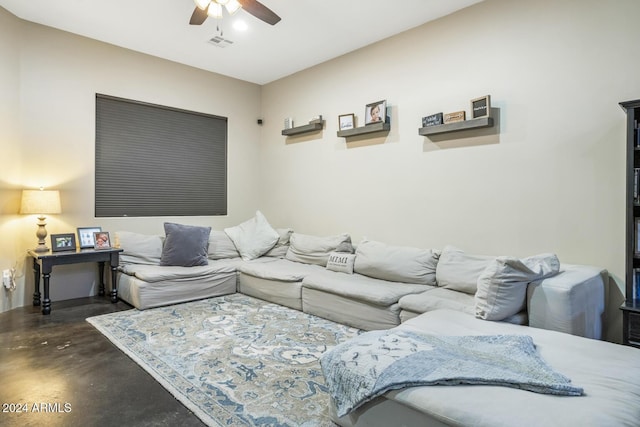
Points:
[233,360]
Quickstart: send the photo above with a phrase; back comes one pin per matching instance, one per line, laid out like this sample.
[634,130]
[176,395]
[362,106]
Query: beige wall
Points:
[51,81]
[548,178]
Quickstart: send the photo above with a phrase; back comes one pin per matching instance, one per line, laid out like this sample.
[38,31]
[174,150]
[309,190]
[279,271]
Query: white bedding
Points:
[609,374]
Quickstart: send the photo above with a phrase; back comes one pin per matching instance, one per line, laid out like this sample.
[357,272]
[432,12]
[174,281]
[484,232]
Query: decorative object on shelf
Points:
[102,240]
[482,122]
[288,123]
[63,242]
[315,124]
[376,112]
[432,120]
[40,202]
[85,236]
[316,119]
[456,116]
[346,121]
[481,107]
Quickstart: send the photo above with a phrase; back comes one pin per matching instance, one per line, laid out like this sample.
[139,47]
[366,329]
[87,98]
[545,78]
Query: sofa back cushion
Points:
[396,263]
[315,250]
[282,245]
[139,248]
[221,246]
[254,237]
[502,286]
[460,271]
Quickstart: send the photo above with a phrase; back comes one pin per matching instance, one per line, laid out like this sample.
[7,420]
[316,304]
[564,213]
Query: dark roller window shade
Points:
[153,160]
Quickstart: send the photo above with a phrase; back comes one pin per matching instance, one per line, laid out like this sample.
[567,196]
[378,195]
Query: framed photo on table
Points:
[85,236]
[63,242]
[101,240]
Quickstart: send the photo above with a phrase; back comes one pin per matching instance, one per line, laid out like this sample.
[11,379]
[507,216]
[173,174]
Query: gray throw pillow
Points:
[185,245]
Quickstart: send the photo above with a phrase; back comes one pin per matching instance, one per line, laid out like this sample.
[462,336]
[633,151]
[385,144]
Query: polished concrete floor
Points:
[58,370]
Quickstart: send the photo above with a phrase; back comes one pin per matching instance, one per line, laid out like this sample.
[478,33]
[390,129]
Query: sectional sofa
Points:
[372,286]
[375,286]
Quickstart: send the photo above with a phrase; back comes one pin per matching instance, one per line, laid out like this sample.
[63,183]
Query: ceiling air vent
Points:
[220,41]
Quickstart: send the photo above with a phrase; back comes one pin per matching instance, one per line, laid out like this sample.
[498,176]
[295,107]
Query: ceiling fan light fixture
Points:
[232,6]
[222,2]
[215,10]
[201,4]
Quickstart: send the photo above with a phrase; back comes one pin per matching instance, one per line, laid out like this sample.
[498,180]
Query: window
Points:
[153,160]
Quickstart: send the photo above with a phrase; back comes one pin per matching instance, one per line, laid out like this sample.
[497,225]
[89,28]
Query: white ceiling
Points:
[310,32]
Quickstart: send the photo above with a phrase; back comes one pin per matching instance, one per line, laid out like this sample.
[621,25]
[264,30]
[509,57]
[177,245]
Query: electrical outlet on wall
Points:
[7,279]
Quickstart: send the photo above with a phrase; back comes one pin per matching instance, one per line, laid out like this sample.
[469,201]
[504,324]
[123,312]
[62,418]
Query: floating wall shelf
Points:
[311,127]
[376,127]
[482,122]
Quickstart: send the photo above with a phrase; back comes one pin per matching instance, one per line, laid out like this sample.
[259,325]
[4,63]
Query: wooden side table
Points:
[43,263]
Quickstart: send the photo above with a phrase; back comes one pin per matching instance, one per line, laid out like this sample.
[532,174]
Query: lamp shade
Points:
[40,202]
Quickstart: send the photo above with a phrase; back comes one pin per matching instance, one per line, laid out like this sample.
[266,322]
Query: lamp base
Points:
[41,248]
[41,234]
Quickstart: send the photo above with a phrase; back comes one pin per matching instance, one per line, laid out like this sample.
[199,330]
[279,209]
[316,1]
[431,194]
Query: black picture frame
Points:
[102,240]
[376,112]
[86,237]
[63,242]
[481,107]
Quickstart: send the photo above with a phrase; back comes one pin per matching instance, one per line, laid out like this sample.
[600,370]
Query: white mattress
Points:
[609,374]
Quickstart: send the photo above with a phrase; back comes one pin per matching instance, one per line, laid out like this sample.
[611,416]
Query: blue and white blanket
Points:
[375,362]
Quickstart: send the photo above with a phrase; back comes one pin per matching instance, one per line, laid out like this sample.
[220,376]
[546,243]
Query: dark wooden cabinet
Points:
[631,306]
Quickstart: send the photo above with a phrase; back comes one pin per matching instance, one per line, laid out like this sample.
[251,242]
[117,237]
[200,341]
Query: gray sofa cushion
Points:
[314,249]
[460,271]
[396,263]
[278,269]
[282,245]
[139,248]
[221,246]
[502,286]
[254,237]
[362,288]
[185,245]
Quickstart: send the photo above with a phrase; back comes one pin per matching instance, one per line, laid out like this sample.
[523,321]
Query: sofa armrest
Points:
[572,301]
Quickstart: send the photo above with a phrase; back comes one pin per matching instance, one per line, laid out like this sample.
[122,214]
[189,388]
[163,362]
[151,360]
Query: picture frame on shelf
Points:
[346,121]
[376,112]
[86,236]
[481,107]
[63,242]
[101,240]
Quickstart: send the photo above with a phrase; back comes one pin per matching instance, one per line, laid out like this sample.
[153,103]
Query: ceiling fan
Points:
[213,8]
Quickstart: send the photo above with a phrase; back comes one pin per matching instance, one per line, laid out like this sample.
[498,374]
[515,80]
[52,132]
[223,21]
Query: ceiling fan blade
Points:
[260,11]
[199,16]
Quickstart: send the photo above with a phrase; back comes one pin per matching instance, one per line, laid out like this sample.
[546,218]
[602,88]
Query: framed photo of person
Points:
[101,240]
[376,112]
[63,242]
[346,121]
[85,236]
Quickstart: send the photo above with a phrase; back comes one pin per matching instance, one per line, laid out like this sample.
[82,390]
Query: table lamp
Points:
[40,202]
